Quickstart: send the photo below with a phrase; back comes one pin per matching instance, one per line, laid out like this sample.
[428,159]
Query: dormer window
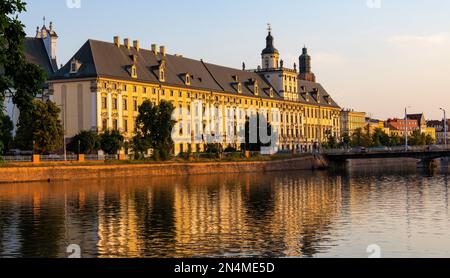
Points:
[133,71]
[256,89]
[162,76]
[74,66]
[187,79]
[162,67]
[271,92]
[239,87]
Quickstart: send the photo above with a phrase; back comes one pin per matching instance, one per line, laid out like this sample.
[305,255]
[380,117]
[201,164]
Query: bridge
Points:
[423,154]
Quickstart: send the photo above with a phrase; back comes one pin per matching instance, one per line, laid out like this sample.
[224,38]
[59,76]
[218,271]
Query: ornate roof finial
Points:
[269,28]
[43,19]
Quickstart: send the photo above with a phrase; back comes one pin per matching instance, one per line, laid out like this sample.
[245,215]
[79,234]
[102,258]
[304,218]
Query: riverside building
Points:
[104,83]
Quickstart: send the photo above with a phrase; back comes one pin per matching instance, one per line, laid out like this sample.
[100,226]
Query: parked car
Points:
[359,150]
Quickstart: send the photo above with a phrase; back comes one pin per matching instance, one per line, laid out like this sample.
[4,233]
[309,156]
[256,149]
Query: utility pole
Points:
[64,129]
[406,129]
[445,127]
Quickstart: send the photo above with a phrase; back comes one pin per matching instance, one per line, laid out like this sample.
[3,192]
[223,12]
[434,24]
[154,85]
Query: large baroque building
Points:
[104,83]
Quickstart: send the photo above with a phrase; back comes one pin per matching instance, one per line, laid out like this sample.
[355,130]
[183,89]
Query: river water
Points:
[402,211]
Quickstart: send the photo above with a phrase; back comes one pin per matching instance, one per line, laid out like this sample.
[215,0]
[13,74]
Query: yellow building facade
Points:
[104,84]
[351,121]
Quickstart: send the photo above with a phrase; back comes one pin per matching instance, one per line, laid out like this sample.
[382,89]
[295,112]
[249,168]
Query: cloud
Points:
[425,40]
[327,58]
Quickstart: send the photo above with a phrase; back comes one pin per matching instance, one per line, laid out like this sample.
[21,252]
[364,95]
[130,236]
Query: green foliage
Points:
[331,142]
[154,129]
[40,129]
[346,140]
[230,149]
[111,141]
[212,148]
[430,140]
[85,142]
[19,79]
[417,138]
[361,138]
[6,127]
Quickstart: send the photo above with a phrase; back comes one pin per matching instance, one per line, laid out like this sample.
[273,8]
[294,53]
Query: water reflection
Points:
[272,215]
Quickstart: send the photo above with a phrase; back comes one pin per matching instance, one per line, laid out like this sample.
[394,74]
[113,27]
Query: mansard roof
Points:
[315,94]
[107,60]
[36,53]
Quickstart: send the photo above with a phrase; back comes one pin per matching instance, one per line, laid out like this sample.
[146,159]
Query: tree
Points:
[331,141]
[40,129]
[20,80]
[111,141]
[85,142]
[6,127]
[154,129]
[361,137]
[430,140]
[395,140]
[417,138]
[346,140]
[380,138]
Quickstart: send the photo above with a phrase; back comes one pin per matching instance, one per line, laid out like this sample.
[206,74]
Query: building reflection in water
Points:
[255,215]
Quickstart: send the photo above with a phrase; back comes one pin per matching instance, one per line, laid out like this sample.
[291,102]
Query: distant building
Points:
[438,126]
[41,51]
[398,127]
[351,121]
[421,121]
[374,124]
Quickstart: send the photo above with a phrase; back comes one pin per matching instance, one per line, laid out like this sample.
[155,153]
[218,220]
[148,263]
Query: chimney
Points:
[162,50]
[154,49]
[117,41]
[126,43]
[136,45]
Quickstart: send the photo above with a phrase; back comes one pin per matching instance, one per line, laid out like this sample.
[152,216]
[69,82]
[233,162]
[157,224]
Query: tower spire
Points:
[43,20]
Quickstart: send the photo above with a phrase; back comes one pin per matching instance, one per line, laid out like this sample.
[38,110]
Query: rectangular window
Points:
[114,103]
[180,94]
[115,125]
[104,124]
[125,104]
[104,103]
[135,105]
[125,125]
[134,89]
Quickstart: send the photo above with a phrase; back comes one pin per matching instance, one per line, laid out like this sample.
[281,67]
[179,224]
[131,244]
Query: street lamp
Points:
[64,129]
[445,127]
[406,128]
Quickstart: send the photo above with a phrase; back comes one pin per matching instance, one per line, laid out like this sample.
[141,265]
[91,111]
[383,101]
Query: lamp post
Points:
[64,129]
[406,129]
[445,127]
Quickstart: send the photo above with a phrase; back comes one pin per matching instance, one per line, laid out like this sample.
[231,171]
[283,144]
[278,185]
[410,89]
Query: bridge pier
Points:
[429,164]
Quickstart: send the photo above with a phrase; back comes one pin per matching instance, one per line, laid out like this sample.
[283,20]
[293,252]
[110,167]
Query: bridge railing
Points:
[398,149]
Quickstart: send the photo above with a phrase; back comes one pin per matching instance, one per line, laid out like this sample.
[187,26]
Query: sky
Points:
[376,56]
